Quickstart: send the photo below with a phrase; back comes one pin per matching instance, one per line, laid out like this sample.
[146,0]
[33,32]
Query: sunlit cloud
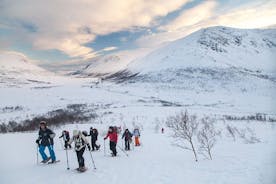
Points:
[192,16]
[68,25]
[109,48]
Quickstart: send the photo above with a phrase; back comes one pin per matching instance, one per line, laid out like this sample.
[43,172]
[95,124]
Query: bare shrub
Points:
[231,131]
[207,137]
[184,127]
[248,135]
[71,114]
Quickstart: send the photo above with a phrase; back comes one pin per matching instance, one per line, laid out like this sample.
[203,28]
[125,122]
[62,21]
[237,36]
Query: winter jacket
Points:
[113,137]
[127,135]
[136,132]
[65,135]
[94,134]
[80,142]
[46,137]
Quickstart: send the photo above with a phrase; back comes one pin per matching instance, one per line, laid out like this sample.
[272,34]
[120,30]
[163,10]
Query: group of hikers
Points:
[46,139]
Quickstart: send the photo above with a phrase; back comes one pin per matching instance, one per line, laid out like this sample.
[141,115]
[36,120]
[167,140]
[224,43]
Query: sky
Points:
[64,30]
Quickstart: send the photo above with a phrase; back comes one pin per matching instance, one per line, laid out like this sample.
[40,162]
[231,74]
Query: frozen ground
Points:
[156,161]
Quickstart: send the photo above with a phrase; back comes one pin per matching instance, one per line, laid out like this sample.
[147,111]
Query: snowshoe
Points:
[45,161]
[81,169]
[54,162]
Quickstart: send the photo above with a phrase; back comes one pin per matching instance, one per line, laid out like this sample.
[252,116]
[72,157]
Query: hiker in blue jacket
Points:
[46,139]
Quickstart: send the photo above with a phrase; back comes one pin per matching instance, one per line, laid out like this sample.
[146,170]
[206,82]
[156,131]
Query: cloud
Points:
[109,48]
[68,25]
[258,14]
[192,16]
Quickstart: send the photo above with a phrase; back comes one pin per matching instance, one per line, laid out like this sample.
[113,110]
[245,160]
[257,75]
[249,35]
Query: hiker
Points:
[80,143]
[136,134]
[113,137]
[46,139]
[162,130]
[128,138]
[66,137]
[94,137]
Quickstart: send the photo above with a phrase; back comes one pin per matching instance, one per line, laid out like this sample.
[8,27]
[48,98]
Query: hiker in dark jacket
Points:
[66,137]
[128,138]
[94,137]
[46,139]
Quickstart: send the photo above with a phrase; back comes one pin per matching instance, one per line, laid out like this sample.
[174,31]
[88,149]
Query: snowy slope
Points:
[254,50]
[157,161]
[18,70]
[111,63]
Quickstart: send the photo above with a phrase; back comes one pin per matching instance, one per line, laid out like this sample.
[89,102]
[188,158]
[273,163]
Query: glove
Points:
[105,138]
[88,146]
[37,141]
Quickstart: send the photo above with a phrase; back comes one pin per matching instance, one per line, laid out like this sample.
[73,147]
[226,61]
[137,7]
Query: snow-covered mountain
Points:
[16,69]
[109,64]
[214,50]
[254,50]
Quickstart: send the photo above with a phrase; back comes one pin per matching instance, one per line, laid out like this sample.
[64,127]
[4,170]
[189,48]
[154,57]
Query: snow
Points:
[184,74]
[156,161]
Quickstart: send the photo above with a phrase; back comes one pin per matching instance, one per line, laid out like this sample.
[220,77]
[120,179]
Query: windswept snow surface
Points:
[156,161]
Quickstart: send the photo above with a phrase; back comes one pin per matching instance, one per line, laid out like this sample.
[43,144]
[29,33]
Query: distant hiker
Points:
[162,130]
[66,137]
[128,138]
[46,139]
[80,143]
[94,137]
[136,133]
[113,137]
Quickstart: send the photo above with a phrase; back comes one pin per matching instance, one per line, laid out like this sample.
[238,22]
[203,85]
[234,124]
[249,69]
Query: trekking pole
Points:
[92,159]
[37,154]
[132,143]
[123,150]
[61,143]
[104,149]
[67,159]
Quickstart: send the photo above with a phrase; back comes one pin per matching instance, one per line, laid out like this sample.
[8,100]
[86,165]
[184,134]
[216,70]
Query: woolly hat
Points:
[42,123]
[76,133]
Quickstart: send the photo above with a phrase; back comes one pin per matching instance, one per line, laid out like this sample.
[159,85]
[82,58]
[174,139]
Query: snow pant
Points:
[127,144]
[137,142]
[80,157]
[66,145]
[51,151]
[112,146]
[94,145]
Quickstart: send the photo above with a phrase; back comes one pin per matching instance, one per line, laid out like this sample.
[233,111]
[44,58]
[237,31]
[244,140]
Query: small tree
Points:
[207,137]
[184,128]
[231,131]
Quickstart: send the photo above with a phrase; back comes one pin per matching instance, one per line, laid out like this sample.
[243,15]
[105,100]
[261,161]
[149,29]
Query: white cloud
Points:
[109,48]
[192,16]
[256,16]
[69,25]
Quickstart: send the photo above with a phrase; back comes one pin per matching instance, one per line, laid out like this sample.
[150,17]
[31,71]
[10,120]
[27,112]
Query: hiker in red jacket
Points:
[113,138]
